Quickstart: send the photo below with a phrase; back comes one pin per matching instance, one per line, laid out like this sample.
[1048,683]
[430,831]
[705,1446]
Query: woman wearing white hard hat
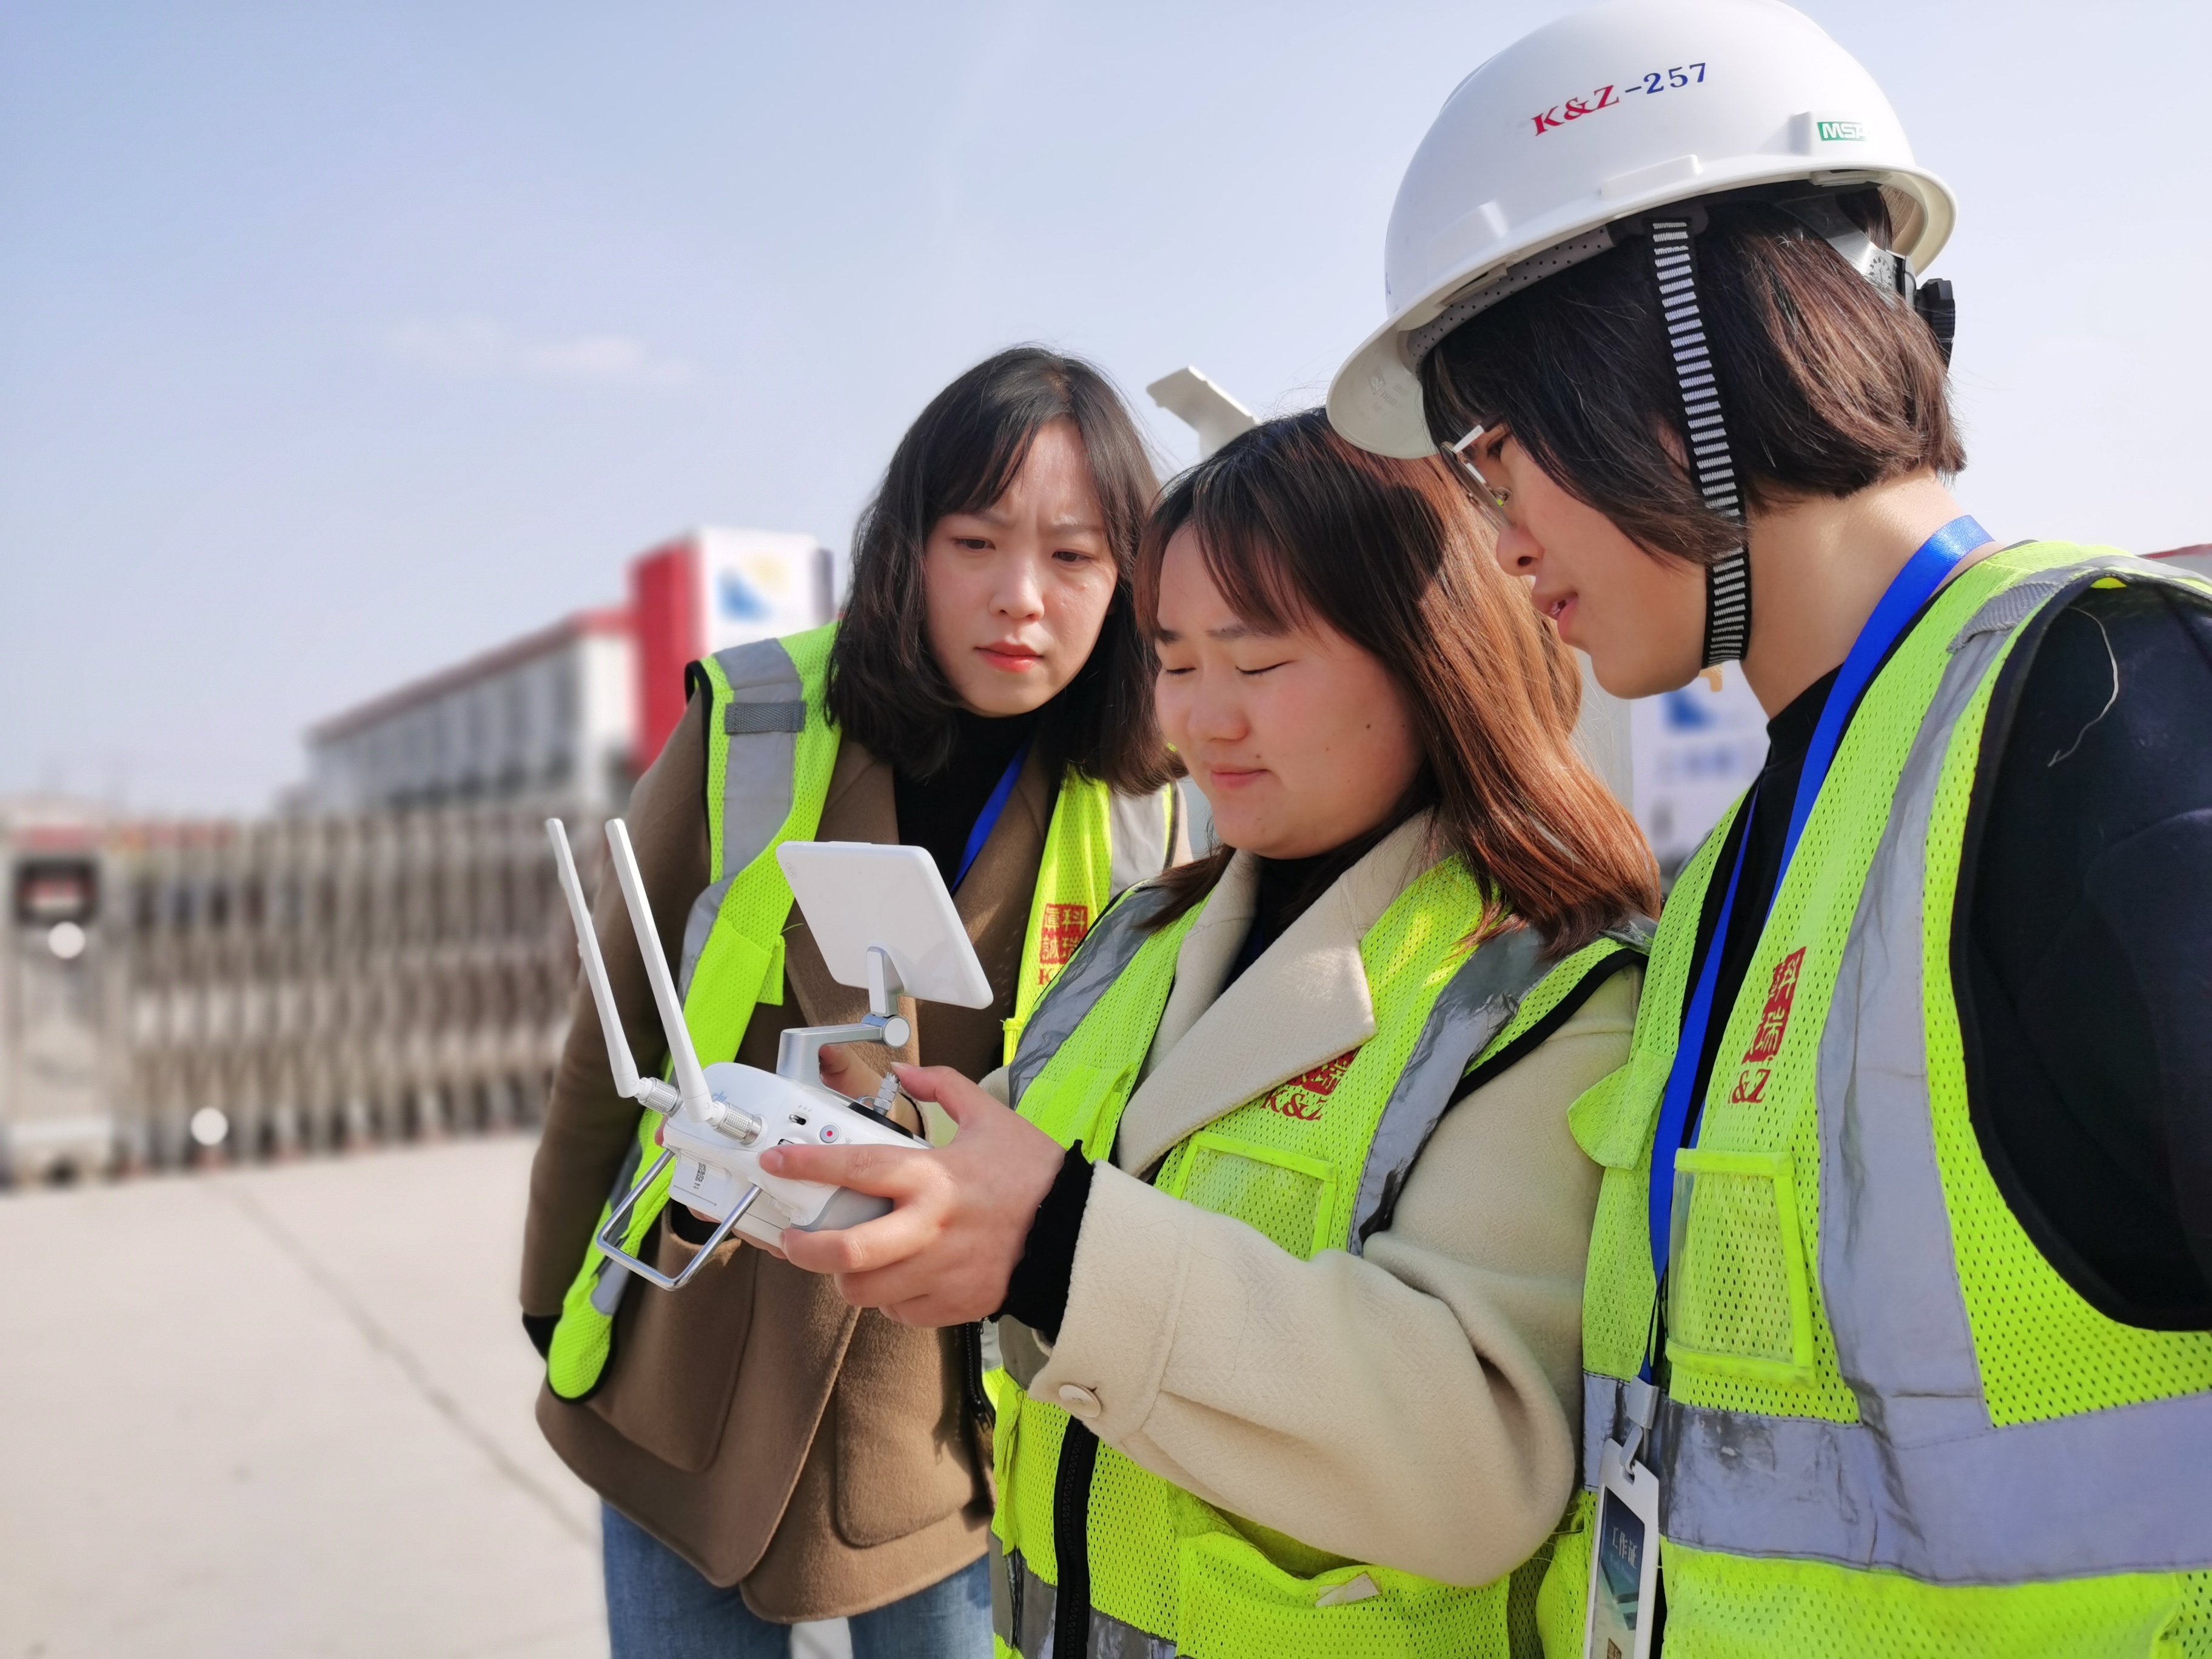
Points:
[1898,1324]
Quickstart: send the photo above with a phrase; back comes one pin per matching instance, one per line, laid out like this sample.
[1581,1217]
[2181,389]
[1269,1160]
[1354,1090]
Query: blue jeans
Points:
[659,1607]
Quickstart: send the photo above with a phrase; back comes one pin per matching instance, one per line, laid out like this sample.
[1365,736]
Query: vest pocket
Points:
[1234,1600]
[1739,1302]
[1287,1196]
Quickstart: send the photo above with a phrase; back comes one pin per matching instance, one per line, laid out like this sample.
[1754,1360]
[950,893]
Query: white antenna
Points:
[713,1134]
[691,1081]
[650,1091]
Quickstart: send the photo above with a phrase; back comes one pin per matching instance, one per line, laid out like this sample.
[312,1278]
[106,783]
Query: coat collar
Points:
[1303,1003]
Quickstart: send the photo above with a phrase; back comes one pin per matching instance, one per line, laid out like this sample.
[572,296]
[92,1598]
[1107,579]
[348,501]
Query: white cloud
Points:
[470,345]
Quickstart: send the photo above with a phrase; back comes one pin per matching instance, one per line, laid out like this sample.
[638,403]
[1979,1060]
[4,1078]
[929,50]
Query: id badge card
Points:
[1624,1579]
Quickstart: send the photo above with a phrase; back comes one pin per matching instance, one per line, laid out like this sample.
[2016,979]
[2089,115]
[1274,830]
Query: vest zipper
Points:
[1071,1541]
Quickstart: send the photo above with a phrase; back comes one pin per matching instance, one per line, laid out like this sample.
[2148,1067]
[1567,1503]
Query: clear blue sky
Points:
[339,341]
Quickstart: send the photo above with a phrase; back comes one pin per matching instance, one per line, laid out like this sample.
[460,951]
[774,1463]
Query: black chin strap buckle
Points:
[1939,308]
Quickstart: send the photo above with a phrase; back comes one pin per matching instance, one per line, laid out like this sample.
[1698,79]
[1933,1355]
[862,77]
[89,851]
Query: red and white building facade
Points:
[568,716]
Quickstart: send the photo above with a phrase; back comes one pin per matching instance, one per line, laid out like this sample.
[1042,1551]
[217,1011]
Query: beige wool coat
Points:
[1417,1406]
[824,1458]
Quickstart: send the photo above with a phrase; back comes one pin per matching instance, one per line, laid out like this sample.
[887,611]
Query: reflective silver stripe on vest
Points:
[1022,1606]
[1136,827]
[745,719]
[1108,948]
[1479,1002]
[696,926]
[1923,1483]
[761,726]
[1600,1421]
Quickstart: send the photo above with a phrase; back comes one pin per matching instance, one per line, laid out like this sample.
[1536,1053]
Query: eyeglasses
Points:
[1488,497]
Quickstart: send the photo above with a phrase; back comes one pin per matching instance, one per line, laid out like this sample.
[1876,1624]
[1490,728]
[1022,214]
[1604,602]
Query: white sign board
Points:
[760,585]
[1694,752]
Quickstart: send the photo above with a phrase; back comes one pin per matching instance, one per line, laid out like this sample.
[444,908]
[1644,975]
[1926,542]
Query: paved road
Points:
[286,1412]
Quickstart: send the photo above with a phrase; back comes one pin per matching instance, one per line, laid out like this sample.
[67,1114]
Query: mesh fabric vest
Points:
[1890,1428]
[770,753]
[1313,1163]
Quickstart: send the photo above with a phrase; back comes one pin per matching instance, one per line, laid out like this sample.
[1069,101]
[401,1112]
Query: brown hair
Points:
[1827,384]
[886,689]
[1294,524]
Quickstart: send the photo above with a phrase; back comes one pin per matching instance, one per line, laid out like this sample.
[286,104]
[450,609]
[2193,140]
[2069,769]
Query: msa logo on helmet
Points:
[1843,132]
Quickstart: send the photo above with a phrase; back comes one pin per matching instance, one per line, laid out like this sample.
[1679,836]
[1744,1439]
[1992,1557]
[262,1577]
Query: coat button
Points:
[1080,1401]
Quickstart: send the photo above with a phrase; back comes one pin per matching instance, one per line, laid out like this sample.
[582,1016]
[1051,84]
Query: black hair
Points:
[1827,384]
[886,689]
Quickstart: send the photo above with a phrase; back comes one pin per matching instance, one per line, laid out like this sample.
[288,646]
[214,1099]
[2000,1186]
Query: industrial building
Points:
[549,717]
[388,956]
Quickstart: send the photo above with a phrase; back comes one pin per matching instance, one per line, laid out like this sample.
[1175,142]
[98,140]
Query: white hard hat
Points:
[1602,116]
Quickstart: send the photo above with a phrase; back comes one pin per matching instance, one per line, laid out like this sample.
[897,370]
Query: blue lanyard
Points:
[988,819]
[1912,588]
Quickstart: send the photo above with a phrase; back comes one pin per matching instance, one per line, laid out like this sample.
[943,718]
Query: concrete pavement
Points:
[287,1411]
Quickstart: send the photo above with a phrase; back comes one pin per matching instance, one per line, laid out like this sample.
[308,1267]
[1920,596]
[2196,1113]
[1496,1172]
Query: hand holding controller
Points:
[718,1120]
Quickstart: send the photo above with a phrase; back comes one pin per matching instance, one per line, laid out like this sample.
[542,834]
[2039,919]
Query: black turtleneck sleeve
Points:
[2083,950]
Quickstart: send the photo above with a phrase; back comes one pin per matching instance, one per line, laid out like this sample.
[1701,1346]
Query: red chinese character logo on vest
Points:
[1302,1096]
[1774,1023]
[1065,925]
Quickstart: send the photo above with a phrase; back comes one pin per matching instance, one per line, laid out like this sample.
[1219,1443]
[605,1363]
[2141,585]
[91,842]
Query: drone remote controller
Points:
[716,1120]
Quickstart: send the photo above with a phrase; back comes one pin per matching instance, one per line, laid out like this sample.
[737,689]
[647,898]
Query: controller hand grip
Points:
[847,1209]
[716,1120]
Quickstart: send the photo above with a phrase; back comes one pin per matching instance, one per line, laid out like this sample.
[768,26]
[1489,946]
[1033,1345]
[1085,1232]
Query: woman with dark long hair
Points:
[767,1454]
[1284,1232]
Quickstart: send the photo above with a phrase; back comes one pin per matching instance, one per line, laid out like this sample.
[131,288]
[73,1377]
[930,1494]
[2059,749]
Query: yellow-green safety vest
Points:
[768,777]
[1316,1164]
[1890,1428]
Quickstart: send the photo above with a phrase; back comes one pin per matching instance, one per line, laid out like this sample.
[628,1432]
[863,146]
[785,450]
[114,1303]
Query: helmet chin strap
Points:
[1727,579]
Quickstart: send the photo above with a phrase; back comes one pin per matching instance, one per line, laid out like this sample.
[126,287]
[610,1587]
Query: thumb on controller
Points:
[947,1099]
